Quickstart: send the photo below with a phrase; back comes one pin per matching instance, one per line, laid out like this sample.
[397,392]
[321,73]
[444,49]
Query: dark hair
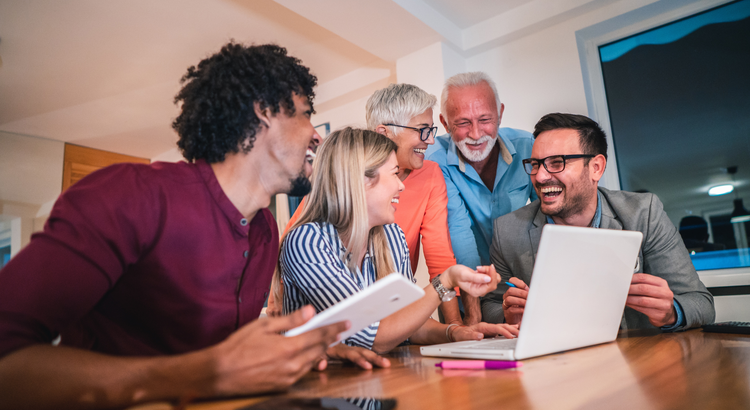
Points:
[219,96]
[591,136]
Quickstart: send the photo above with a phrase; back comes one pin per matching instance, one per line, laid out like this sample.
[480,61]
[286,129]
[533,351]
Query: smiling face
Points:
[294,140]
[572,192]
[472,118]
[410,147]
[382,193]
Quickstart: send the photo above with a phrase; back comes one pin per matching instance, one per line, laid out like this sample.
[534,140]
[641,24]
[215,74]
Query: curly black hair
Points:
[219,96]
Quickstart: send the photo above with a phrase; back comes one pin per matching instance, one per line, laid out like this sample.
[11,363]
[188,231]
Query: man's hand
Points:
[254,359]
[476,283]
[481,330]
[257,359]
[651,296]
[514,300]
[360,356]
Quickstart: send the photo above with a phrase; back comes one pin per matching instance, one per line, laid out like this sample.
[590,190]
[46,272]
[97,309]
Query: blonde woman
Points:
[345,240]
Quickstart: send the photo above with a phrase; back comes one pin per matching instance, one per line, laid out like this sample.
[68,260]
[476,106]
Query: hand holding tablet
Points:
[385,297]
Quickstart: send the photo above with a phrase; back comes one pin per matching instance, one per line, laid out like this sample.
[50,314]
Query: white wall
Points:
[20,221]
[173,155]
[541,73]
[30,168]
[30,176]
[348,115]
[428,68]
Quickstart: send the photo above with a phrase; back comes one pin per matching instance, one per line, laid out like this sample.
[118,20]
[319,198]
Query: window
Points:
[678,97]
[669,84]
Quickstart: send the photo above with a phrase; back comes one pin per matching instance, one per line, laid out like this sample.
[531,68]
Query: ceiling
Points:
[466,13]
[103,74]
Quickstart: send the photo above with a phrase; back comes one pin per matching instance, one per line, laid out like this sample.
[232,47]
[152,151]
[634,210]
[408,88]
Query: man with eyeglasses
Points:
[482,167]
[567,161]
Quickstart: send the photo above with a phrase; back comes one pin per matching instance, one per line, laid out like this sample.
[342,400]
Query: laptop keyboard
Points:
[501,344]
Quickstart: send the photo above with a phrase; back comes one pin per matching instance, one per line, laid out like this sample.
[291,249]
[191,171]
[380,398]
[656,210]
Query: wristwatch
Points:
[444,294]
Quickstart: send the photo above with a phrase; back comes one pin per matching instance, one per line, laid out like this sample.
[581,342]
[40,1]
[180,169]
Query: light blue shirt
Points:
[472,207]
[680,322]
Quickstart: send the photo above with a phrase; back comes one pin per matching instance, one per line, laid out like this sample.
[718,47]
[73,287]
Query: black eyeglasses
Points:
[424,133]
[553,164]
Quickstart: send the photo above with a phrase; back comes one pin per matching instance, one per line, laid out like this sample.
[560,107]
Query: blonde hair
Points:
[343,161]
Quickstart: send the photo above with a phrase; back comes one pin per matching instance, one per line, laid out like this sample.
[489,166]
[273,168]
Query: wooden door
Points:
[81,161]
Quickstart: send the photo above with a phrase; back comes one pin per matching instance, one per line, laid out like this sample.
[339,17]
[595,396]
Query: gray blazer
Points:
[516,240]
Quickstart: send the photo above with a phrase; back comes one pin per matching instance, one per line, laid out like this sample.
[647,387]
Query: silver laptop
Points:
[577,296]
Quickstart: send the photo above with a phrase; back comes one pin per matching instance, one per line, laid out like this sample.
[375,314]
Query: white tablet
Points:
[382,299]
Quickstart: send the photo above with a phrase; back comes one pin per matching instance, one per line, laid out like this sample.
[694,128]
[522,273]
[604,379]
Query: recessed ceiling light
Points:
[720,190]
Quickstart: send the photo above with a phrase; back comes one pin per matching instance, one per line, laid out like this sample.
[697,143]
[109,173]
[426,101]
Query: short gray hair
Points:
[397,104]
[465,80]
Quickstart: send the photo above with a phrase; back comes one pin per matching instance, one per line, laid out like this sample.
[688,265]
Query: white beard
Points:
[474,156]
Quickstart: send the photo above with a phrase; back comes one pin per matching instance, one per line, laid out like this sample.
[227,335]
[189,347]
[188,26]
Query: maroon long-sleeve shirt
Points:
[139,260]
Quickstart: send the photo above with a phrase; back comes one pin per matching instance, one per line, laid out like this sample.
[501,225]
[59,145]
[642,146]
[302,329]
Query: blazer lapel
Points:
[535,233]
[609,219]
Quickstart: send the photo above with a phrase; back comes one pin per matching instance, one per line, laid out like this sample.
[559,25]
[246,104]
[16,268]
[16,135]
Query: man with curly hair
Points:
[153,275]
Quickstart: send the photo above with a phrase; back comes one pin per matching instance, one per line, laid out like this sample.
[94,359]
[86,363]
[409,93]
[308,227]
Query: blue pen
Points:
[511,285]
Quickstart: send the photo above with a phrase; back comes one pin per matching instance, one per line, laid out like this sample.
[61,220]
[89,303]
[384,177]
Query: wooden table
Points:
[641,370]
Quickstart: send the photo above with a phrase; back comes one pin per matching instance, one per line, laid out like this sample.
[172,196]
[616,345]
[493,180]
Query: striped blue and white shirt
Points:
[314,272]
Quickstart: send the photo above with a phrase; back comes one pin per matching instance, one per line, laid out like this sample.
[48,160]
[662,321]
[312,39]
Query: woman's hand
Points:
[362,357]
[476,283]
[481,330]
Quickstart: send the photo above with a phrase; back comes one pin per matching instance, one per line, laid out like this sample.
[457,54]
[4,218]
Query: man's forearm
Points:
[451,312]
[43,376]
[472,310]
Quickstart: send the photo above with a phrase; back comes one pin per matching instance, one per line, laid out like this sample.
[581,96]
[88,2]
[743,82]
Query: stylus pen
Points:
[511,285]
[478,364]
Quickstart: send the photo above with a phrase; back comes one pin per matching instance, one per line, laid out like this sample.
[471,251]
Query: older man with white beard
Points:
[493,184]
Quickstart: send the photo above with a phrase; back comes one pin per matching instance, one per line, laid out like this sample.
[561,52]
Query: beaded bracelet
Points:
[447,331]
